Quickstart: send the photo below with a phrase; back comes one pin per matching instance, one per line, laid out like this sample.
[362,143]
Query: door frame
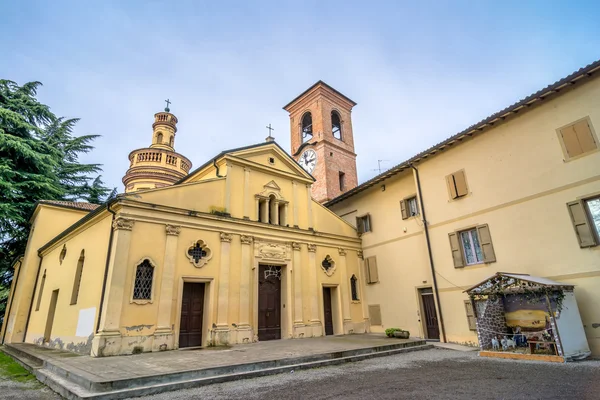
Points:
[287,324]
[51,314]
[336,308]
[207,312]
[423,324]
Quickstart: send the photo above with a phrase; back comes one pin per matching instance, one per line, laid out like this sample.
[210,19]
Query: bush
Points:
[390,331]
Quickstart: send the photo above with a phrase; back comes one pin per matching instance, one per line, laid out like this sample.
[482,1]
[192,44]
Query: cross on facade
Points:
[167,107]
[270,129]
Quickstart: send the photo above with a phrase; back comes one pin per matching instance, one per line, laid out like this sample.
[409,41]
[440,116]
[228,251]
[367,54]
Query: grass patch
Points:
[11,370]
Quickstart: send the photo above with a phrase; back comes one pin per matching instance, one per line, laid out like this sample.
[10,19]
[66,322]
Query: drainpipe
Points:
[12,296]
[33,296]
[110,242]
[217,167]
[435,287]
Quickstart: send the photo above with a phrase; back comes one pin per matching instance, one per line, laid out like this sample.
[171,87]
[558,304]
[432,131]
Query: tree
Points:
[38,161]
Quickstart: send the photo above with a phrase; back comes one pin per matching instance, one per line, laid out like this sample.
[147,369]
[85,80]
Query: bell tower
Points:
[158,165]
[322,139]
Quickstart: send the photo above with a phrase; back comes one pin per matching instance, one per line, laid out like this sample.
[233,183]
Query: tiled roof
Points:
[576,78]
[79,205]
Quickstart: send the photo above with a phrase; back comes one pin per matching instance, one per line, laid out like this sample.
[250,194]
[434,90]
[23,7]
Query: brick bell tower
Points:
[322,139]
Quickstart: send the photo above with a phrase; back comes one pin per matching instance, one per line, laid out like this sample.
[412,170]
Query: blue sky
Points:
[419,71]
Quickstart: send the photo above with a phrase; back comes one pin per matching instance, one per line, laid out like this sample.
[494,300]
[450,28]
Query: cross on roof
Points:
[167,107]
[270,129]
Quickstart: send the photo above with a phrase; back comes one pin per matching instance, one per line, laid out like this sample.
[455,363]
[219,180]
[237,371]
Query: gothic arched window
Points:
[307,130]
[142,288]
[77,281]
[354,288]
[159,138]
[336,125]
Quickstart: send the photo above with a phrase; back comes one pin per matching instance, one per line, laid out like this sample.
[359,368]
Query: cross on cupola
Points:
[270,138]
[167,109]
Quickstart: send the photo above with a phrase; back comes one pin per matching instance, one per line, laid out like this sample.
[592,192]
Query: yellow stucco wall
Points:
[47,222]
[519,185]
[93,240]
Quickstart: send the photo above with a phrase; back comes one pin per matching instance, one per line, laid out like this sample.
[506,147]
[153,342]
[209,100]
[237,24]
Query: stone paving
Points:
[148,364]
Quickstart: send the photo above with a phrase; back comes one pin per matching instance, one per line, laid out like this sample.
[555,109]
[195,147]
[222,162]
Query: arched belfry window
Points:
[159,138]
[336,125]
[171,141]
[307,129]
[142,287]
[354,288]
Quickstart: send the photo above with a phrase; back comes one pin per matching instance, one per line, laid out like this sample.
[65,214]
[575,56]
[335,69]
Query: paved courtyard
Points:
[429,374]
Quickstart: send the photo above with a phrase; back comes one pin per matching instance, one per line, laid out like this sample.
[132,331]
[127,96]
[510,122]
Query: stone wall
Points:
[490,323]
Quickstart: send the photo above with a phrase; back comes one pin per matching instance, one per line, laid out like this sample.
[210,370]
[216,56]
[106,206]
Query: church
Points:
[238,250]
[261,244]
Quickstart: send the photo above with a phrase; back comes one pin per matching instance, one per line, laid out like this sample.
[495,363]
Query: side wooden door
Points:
[269,302]
[431,320]
[192,313]
[327,311]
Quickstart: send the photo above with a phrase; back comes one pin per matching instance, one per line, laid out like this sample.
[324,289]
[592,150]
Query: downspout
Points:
[33,296]
[110,242]
[12,296]
[217,167]
[435,287]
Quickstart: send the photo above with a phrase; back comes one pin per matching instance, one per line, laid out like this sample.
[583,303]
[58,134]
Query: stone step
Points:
[29,361]
[68,386]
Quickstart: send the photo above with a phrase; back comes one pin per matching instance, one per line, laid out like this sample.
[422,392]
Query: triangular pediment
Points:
[272,185]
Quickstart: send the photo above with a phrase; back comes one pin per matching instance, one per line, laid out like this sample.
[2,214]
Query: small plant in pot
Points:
[397,332]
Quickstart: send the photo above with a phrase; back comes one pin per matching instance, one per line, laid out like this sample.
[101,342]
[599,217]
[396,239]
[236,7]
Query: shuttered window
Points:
[585,216]
[372,272]
[363,224]
[470,315]
[578,138]
[409,207]
[472,246]
[375,314]
[457,184]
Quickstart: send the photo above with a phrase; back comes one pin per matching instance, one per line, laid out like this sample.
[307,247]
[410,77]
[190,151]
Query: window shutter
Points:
[451,187]
[470,315]
[581,224]
[584,136]
[368,226]
[485,241]
[359,225]
[570,141]
[372,272]
[375,314]
[456,250]
[403,208]
[461,183]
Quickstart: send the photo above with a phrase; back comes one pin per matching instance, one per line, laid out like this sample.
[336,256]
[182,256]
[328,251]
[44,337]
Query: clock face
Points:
[308,160]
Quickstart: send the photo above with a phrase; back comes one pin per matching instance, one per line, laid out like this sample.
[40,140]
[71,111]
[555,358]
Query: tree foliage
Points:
[39,160]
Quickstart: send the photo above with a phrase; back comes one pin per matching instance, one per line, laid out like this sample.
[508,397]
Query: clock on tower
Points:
[322,139]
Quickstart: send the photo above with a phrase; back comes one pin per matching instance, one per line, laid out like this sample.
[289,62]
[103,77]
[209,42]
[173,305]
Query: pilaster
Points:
[228,179]
[245,334]
[346,316]
[246,193]
[222,328]
[163,336]
[298,313]
[107,340]
[362,287]
[315,320]
[309,206]
[294,222]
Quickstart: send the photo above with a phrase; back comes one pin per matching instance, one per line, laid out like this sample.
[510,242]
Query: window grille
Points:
[354,288]
[142,289]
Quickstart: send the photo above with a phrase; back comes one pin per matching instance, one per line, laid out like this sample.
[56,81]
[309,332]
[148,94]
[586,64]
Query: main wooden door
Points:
[269,302]
[192,309]
[430,316]
[327,312]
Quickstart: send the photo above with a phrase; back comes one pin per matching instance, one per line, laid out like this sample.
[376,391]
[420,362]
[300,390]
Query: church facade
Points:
[235,251]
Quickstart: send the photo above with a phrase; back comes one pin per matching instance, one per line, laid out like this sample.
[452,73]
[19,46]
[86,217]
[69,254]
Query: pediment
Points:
[272,185]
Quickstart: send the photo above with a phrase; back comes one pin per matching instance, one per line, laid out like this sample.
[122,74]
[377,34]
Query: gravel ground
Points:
[25,391]
[430,374]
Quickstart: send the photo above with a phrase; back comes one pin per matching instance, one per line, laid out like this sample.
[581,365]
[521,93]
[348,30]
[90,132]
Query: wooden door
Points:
[192,313]
[50,319]
[431,322]
[269,302]
[327,312]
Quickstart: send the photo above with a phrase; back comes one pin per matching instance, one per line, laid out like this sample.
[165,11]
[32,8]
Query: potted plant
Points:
[401,334]
[389,332]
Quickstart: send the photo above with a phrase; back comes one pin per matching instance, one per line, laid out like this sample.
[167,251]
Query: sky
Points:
[420,71]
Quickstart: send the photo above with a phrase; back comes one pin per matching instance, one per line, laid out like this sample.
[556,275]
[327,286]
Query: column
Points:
[274,205]
[346,316]
[244,328]
[284,219]
[298,317]
[107,340]
[247,193]
[362,295]
[257,204]
[163,336]
[309,206]
[313,284]
[294,221]
[264,204]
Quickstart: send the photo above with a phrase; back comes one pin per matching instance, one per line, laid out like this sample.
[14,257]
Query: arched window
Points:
[307,130]
[159,138]
[142,288]
[171,141]
[354,288]
[77,281]
[39,299]
[336,125]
